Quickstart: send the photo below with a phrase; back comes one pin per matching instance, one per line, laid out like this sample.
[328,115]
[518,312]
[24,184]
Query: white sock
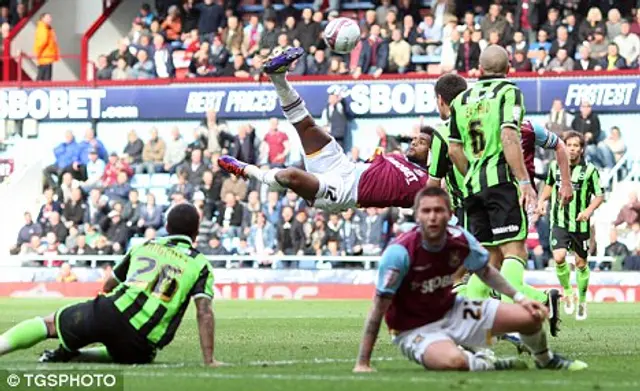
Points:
[478,362]
[266,177]
[4,346]
[537,343]
[293,106]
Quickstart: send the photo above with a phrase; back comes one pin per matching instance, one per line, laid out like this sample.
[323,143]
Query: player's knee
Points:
[581,263]
[50,322]
[288,177]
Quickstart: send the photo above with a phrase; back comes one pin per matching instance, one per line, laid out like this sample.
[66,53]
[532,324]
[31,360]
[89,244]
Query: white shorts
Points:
[337,174]
[468,323]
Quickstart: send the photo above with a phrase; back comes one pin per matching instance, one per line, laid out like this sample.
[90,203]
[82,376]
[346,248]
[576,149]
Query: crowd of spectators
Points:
[207,39]
[96,201]
[11,12]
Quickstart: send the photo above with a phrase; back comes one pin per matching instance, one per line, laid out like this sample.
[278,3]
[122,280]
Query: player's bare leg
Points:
[563,271]
[445,355]
[515,318]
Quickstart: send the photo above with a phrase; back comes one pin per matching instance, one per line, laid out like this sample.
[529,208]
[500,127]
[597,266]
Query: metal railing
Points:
[26,61]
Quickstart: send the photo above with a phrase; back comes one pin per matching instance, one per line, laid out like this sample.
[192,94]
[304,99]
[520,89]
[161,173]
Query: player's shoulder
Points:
[407,238]
[456,235]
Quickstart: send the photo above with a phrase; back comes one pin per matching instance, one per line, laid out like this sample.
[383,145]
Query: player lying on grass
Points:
[141,307]
[424,316]
[331,181]
[570,224]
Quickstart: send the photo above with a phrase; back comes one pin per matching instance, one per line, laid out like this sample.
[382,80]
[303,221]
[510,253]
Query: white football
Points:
[342,35]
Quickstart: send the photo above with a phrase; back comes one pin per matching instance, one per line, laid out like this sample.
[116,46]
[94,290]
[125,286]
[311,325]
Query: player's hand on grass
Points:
[566,193]
[583,216]
[363,368]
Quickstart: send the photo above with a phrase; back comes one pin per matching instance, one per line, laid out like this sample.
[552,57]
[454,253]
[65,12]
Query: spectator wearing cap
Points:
[95,169]
[563,41]
[586,63]
[468,58]
[150,214]
[613,61]
[172,25]
[211,20]
[144,68]
[45,47]
[118,233]
[153,154]
[162,58]
[520,62]
[590,24]
[119,191]
[269,38]
[561,62]
[114,167]
[599,45]
[628,44]
[233,36]
[133,149]
[493,21]
[66,153]
[308,32]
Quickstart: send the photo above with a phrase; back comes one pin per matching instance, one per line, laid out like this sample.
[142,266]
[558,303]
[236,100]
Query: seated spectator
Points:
[144,68]
[599,45]
[283,44]
[145,15]
[133,149]
[371,228]
[628,44]
[153,154]
[5,17]
[233,36]
[252,207]
[230,215]
[183,187]
[56,226]
[70,242]
[244,146]
[32,247]
[552,24]
[350,233]
[102,246]
[118,233]
[319,235]
[194,169]
[590,24]
[616,144]
[540,62]
[561,63]
[66,187]
[586,63]
[215,247]
[290,30]
[28,230]
[317,64]
[252,33]
[172,24]
[219,55]
[201,64]
[429,35]
[272,208]
[269,37]
[476,37]
[519,43]
[132,210]
[468,58]
[122,52]
[563,41]
[191,44]
[559,120]
[106,272]
[236,186]
[91,142]
[308,32]
[211,20]
[95,169]
[199,142]
[494,38]
[262,236]
[49,207]
[541,43]
[96,207]
[211,188]
[399,53]
[73,212]
[122,71]
[150,214]
[337,67]
[284,237]
[66,153]
[632,261]
[103,71]
[162,58]
[81,247]
[114,167]
[120,190]
[613,61]
[238,68]
[374,55]
[65,274]
[614,24]
[175,152]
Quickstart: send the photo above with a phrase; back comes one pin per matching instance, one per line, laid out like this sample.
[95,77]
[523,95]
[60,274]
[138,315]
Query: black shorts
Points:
[99,321]
[494,216]
[571,241]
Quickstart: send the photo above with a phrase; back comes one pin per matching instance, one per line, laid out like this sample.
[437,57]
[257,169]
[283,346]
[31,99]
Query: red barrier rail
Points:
[6,44]
[22,57]
[108,7]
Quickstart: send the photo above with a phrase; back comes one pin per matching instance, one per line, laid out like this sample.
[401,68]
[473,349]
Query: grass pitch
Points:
[287,345]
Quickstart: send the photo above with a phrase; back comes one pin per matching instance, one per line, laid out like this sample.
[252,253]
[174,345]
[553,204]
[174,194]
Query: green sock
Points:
[476,289]
[582,277]
[513,271]
[533,293]
[564,276]
[23,335]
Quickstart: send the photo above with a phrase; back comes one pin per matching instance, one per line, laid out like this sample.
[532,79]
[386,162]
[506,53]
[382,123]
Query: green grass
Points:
[276,345]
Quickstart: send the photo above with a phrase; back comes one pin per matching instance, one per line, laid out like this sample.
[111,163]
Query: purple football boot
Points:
[232,166]
[282,62]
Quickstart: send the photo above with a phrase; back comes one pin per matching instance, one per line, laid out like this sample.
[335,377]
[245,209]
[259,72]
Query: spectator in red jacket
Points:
[115,166]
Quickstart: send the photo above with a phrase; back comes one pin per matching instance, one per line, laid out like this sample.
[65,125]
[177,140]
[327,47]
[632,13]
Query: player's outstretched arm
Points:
[371,329]
[206,328]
